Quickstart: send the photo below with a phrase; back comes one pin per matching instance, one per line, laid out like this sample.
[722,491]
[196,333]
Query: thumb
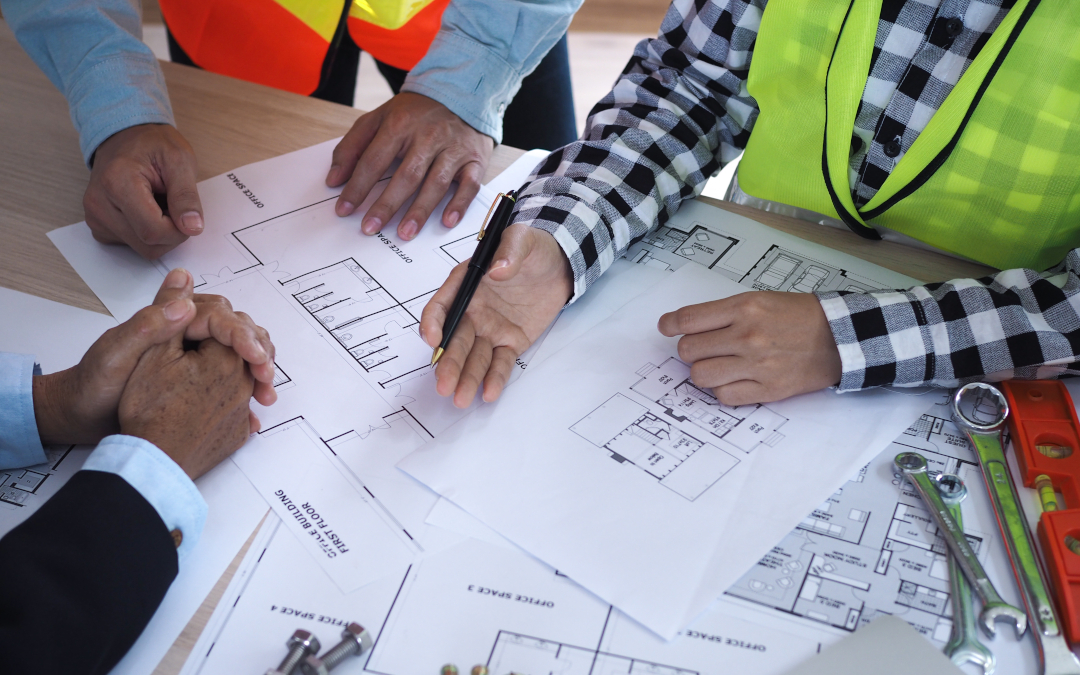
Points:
[178,285]
[517,243]
[158,328]
[182,194]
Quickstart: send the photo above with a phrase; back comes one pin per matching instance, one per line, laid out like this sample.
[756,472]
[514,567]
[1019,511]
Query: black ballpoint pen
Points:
[490,235]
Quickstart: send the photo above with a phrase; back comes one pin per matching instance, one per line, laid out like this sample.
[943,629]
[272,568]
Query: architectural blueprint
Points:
[612,427]
[755,255]
[474,603]
[872,548]
[23,490]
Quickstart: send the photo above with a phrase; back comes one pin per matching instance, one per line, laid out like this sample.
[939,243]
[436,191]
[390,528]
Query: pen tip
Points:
[435,357]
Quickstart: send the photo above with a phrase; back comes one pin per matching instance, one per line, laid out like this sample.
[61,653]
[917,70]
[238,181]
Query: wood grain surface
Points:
[230,123]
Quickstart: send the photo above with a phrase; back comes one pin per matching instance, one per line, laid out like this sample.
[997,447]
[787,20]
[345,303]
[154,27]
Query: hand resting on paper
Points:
[756,347]
[129,169]
[436,148]
[528,284]
[80,404]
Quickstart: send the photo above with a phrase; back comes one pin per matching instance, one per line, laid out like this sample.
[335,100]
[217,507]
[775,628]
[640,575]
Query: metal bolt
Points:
[354,640]
[301,644]
[480,670]
[448,669]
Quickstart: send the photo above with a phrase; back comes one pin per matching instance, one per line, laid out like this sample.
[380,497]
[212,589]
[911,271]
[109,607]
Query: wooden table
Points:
[230,123]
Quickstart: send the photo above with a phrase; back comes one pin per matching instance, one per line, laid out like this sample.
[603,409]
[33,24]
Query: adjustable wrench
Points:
[994,607]
[963,645]
[980,410]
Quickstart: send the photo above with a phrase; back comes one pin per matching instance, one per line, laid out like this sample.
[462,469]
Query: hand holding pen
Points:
[528,281]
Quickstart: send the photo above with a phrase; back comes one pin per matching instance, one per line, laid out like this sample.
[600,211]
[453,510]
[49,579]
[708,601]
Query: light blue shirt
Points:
[142,464]
[92,50]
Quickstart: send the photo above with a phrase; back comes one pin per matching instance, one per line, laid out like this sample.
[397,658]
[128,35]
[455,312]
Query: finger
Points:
[254,425]
[695,347]
[744,392]
[434,315]
[178,171]
[347,153]
[133,195]
[473,373]
[370,168]
[503,362]
[159,327]
[719,371]
[178,284]
[216,319]
[264,393]
[435,186]
[454,358]
[403,184]
[697,318]
[468,186]
[516,245]
[109,226]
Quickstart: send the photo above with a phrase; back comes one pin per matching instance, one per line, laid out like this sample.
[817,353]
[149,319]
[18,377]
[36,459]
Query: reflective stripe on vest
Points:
[995,174]
[284,43]
[396,32]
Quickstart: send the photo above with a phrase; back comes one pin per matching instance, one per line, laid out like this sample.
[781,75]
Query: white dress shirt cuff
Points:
[20,444]
[159,480]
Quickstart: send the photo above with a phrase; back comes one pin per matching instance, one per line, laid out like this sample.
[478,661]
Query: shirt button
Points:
[891,149]
[954,27]
[177,537]
[502,107]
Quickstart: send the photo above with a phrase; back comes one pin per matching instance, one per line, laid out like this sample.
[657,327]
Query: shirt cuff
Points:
[20,444]
[159,480]
[883,338]
[120,92]
[474,82]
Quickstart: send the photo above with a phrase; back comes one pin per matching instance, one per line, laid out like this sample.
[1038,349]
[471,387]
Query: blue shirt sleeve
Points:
[92,50]
[159,480]
[20,444]
[482,53]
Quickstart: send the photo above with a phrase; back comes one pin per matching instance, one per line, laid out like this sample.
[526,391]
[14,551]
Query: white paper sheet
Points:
[355,390]
[58,335]
[607,464]
[471,604]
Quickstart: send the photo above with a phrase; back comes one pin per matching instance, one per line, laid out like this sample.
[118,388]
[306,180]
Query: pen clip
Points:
[487,218]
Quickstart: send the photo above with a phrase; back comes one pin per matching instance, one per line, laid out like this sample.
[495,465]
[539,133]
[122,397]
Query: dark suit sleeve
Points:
[80,579]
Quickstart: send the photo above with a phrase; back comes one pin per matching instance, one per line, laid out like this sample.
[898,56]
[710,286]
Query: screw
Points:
[354,640]
[301,644]
[480,670]
[448,669]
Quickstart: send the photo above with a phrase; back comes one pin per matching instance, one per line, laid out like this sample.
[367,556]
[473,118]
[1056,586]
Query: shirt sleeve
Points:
[1016,324]
[676,115]
[92,50]
[159,480]
[483,51]
[20,444]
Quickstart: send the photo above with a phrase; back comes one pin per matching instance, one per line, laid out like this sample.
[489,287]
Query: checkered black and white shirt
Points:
[681,110]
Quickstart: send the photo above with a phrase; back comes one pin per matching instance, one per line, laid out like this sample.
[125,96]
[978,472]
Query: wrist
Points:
[50,406]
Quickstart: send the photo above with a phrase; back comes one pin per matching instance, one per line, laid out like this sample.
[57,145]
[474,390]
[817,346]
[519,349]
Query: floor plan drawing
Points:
[19,486]
[516,653]
[668,247]
[675,432]
[872,547]
[783,270]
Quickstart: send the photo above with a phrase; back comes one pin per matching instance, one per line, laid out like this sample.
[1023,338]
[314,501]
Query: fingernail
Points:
[260,352]
[451,220]
[408,230]
[501,262]
[371,226]
[192,221]
[344,208]
[177,309]
[177,278]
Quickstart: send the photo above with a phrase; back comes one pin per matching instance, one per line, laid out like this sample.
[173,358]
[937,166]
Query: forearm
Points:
[482,53]
[93,52]
[672,120]
[1017,324]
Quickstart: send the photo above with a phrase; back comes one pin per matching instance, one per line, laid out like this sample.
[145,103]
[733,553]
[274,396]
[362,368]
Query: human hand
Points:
[79,405]
[193,404]
[130,168]
[756,347]
[436,148]
[528,284]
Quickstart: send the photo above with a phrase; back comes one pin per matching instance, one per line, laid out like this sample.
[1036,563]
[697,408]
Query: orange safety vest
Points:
[285,43]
